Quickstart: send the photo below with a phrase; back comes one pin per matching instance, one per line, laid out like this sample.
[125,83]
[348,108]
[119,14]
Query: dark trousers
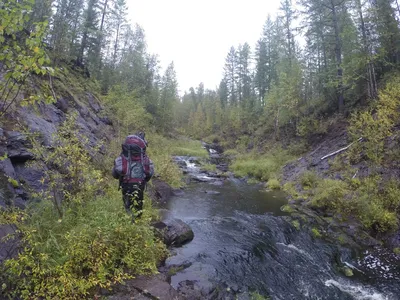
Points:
[132,195]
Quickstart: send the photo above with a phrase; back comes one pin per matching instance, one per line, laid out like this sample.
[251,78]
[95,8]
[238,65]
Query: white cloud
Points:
[197,35]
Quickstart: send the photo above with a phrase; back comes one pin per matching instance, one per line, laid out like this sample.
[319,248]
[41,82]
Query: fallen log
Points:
[340,150]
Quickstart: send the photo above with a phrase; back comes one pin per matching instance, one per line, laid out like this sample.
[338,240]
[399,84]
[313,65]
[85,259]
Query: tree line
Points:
[96,38]
[314,59]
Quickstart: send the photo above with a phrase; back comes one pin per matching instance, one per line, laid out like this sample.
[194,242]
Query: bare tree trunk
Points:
[338,52]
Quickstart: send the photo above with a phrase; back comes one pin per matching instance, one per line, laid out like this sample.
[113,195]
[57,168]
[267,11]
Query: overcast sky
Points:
[197,35]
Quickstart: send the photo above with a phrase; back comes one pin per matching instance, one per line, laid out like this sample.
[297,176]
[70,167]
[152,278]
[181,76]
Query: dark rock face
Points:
[176,232]
[17,147]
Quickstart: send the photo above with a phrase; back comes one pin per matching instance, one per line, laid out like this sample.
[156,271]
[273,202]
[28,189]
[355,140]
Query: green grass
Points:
[261,166]
[188,148]
[209,167]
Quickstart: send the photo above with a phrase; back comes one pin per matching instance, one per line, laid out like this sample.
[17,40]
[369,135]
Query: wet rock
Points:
[181,163]
[190,290]
[212,192]
[218,183]
[176,232]
[145,287]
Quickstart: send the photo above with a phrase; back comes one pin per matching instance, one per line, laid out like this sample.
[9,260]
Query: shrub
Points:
[330,194]
[273,184]
[309,179]
[94,246]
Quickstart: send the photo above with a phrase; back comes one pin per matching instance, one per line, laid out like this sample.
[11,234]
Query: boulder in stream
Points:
[175,232]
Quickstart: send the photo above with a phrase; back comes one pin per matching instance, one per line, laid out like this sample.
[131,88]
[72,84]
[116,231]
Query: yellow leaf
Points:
[36,49]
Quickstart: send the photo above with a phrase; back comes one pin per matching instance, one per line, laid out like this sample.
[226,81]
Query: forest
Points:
[319,66]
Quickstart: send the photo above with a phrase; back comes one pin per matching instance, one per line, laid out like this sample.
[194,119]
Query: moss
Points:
[341,239]
[13,182]
[347,271]
[287,208]
[316,233]
[296,224]
[396,251]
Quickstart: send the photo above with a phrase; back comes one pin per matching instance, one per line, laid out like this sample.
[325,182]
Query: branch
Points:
[340,150]
[51,88]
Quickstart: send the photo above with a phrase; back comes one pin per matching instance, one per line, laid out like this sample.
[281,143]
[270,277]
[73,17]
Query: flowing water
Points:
[244,243]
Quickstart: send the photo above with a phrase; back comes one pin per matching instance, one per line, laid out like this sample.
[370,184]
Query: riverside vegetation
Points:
[265,113]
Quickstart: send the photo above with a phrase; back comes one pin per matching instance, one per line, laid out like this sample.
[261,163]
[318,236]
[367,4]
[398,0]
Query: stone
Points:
[17,144]
[38,124]
[7,168]
[94,102]
[31,176]
[62,104]
[176,232]
[145,287]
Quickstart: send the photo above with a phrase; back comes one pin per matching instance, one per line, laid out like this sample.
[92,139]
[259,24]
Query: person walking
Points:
[133,168]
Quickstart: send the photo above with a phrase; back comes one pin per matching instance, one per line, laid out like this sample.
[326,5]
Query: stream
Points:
[243,243]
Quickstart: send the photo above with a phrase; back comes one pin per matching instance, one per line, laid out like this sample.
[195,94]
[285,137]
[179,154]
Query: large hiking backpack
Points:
[133,164]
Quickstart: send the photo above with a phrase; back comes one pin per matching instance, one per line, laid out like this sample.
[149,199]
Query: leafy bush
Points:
[273,184]
[309,179]
[330,194]
[68,168]
[93,246]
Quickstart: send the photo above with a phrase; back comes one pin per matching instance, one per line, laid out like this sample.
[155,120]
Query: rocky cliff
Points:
[73,95]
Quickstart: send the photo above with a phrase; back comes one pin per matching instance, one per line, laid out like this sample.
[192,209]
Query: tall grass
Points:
[261,166]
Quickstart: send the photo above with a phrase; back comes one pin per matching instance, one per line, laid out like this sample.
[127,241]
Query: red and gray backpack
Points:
[133,165]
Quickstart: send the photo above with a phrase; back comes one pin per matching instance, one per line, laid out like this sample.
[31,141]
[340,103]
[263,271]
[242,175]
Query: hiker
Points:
[134,169]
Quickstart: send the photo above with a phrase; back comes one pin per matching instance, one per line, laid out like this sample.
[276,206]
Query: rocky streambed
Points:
[244,246]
